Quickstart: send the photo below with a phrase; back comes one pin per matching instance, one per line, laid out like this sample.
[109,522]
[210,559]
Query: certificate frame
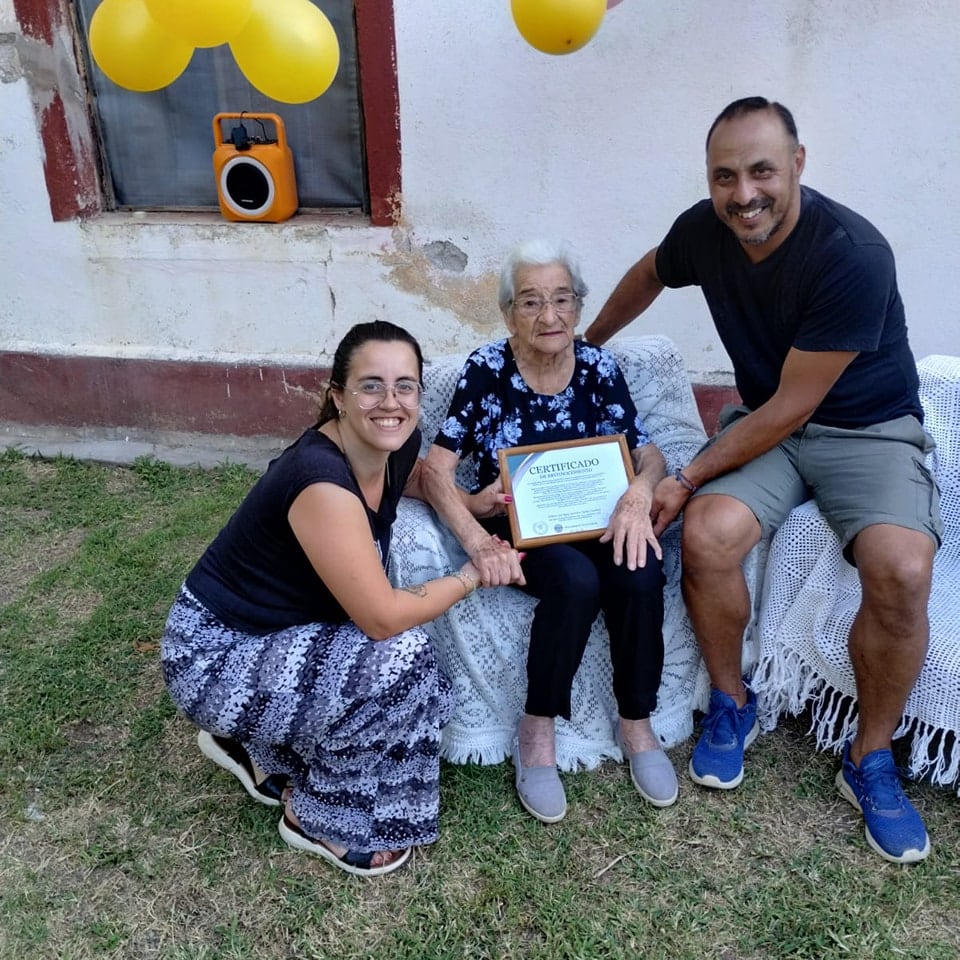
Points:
[563,491]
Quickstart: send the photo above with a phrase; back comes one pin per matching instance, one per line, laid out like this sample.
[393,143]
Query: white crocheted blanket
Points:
[811,595]
[482,642]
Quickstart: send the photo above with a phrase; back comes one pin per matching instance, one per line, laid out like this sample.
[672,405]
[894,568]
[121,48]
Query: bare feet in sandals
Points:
[362,864]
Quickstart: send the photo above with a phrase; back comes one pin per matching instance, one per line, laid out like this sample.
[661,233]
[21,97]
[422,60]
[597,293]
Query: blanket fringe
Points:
[459,744]
[785,684]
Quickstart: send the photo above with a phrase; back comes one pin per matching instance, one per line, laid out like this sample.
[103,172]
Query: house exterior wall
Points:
[499,143]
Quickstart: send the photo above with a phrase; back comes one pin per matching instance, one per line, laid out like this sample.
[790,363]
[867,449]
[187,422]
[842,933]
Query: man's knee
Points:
[901,579]
[718,532]
[895,566]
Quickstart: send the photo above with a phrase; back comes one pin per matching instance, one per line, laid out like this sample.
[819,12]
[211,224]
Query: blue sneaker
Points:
[894,829]
[728,730]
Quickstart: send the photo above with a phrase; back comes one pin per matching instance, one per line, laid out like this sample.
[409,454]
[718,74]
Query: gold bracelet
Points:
[469,584]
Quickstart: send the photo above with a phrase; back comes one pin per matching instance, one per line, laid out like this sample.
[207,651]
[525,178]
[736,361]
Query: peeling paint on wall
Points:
[10,68]
[434,272]
[446,256]
[46,59]
[37,19]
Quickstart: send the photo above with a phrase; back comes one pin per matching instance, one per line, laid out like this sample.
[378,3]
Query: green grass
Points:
[121,841]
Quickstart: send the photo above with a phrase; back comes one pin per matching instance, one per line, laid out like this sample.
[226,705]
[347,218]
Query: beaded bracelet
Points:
[684,482]
[469,584]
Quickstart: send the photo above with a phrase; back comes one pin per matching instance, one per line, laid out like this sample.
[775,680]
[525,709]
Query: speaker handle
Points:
[274,118]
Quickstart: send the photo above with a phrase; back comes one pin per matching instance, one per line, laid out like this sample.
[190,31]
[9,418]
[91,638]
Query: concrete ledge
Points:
[118,446]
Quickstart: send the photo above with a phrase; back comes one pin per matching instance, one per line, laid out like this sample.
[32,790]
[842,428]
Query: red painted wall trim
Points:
[380,98]
[71,174]
[37,18]
[239,399]
[711,399]
[69,165]
[243,400]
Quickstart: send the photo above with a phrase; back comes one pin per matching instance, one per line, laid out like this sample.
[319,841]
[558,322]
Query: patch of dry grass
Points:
[28,553]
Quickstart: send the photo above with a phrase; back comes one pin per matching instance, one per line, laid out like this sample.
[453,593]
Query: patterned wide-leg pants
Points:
[354,723]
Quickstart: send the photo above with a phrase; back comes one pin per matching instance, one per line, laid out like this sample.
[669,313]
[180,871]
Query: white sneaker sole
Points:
[300,841]
[714,782]
[913,855]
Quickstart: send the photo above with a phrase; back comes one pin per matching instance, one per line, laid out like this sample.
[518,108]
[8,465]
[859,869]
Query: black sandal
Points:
[353,861]
[230,755]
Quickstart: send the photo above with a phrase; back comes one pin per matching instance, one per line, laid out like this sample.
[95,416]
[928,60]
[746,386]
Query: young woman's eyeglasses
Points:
[532,307]
[371,393]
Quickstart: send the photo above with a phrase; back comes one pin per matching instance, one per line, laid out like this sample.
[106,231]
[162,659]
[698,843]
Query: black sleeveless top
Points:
[255,576]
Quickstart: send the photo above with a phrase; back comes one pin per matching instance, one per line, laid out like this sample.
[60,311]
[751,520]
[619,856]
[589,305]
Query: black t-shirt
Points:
[255,576]
[831,285]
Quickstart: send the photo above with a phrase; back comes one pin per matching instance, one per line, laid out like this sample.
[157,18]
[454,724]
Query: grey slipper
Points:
[653,775]
[540,790]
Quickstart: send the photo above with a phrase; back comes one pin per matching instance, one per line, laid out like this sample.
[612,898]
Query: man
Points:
[804,297]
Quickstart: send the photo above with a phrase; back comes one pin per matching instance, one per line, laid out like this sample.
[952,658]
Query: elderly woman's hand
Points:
[497,562]
[631,530]
[491,501]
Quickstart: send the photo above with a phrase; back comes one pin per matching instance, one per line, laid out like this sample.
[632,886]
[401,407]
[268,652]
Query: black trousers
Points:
[574,582]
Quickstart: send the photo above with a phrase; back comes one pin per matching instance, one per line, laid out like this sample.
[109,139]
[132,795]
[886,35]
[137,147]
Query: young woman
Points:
[288,646]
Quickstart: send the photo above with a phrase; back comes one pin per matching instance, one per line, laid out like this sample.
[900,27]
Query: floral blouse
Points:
[493,408]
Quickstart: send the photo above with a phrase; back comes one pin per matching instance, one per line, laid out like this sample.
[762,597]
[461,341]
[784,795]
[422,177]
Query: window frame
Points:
[72,162]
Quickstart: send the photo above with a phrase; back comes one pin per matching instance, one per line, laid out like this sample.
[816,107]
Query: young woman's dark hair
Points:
[376,330]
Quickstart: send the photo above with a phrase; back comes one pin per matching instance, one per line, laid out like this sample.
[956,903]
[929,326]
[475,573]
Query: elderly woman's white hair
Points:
[538,253]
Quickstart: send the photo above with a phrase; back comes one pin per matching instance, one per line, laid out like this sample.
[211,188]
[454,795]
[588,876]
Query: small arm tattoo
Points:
[417,589]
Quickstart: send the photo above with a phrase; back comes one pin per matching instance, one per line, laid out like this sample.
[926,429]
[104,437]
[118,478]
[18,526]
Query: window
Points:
[157,146]
[365,173]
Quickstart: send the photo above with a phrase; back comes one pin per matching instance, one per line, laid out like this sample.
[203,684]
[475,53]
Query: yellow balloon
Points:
[132,49]
[558,26]
[288,50]
[201,23]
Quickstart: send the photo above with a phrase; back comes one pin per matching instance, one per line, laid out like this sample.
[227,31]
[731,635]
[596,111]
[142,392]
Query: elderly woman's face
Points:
[545,311]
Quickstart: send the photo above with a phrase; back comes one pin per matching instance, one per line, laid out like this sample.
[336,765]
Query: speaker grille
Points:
[248,186]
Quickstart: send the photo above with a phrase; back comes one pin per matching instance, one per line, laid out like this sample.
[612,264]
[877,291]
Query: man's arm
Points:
[639,287]
[805,380]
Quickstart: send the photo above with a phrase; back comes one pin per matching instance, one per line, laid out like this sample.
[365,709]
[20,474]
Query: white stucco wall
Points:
[501,143]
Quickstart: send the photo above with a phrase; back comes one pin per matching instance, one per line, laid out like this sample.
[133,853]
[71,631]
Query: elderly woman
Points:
[541,385]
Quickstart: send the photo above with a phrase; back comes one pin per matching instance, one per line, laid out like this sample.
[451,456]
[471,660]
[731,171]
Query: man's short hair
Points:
[746,105]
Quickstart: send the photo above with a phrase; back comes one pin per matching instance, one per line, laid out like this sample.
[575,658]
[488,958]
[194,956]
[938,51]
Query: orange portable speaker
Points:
[255,177]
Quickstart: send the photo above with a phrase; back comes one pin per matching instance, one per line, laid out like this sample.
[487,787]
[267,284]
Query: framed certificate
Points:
[564,491]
